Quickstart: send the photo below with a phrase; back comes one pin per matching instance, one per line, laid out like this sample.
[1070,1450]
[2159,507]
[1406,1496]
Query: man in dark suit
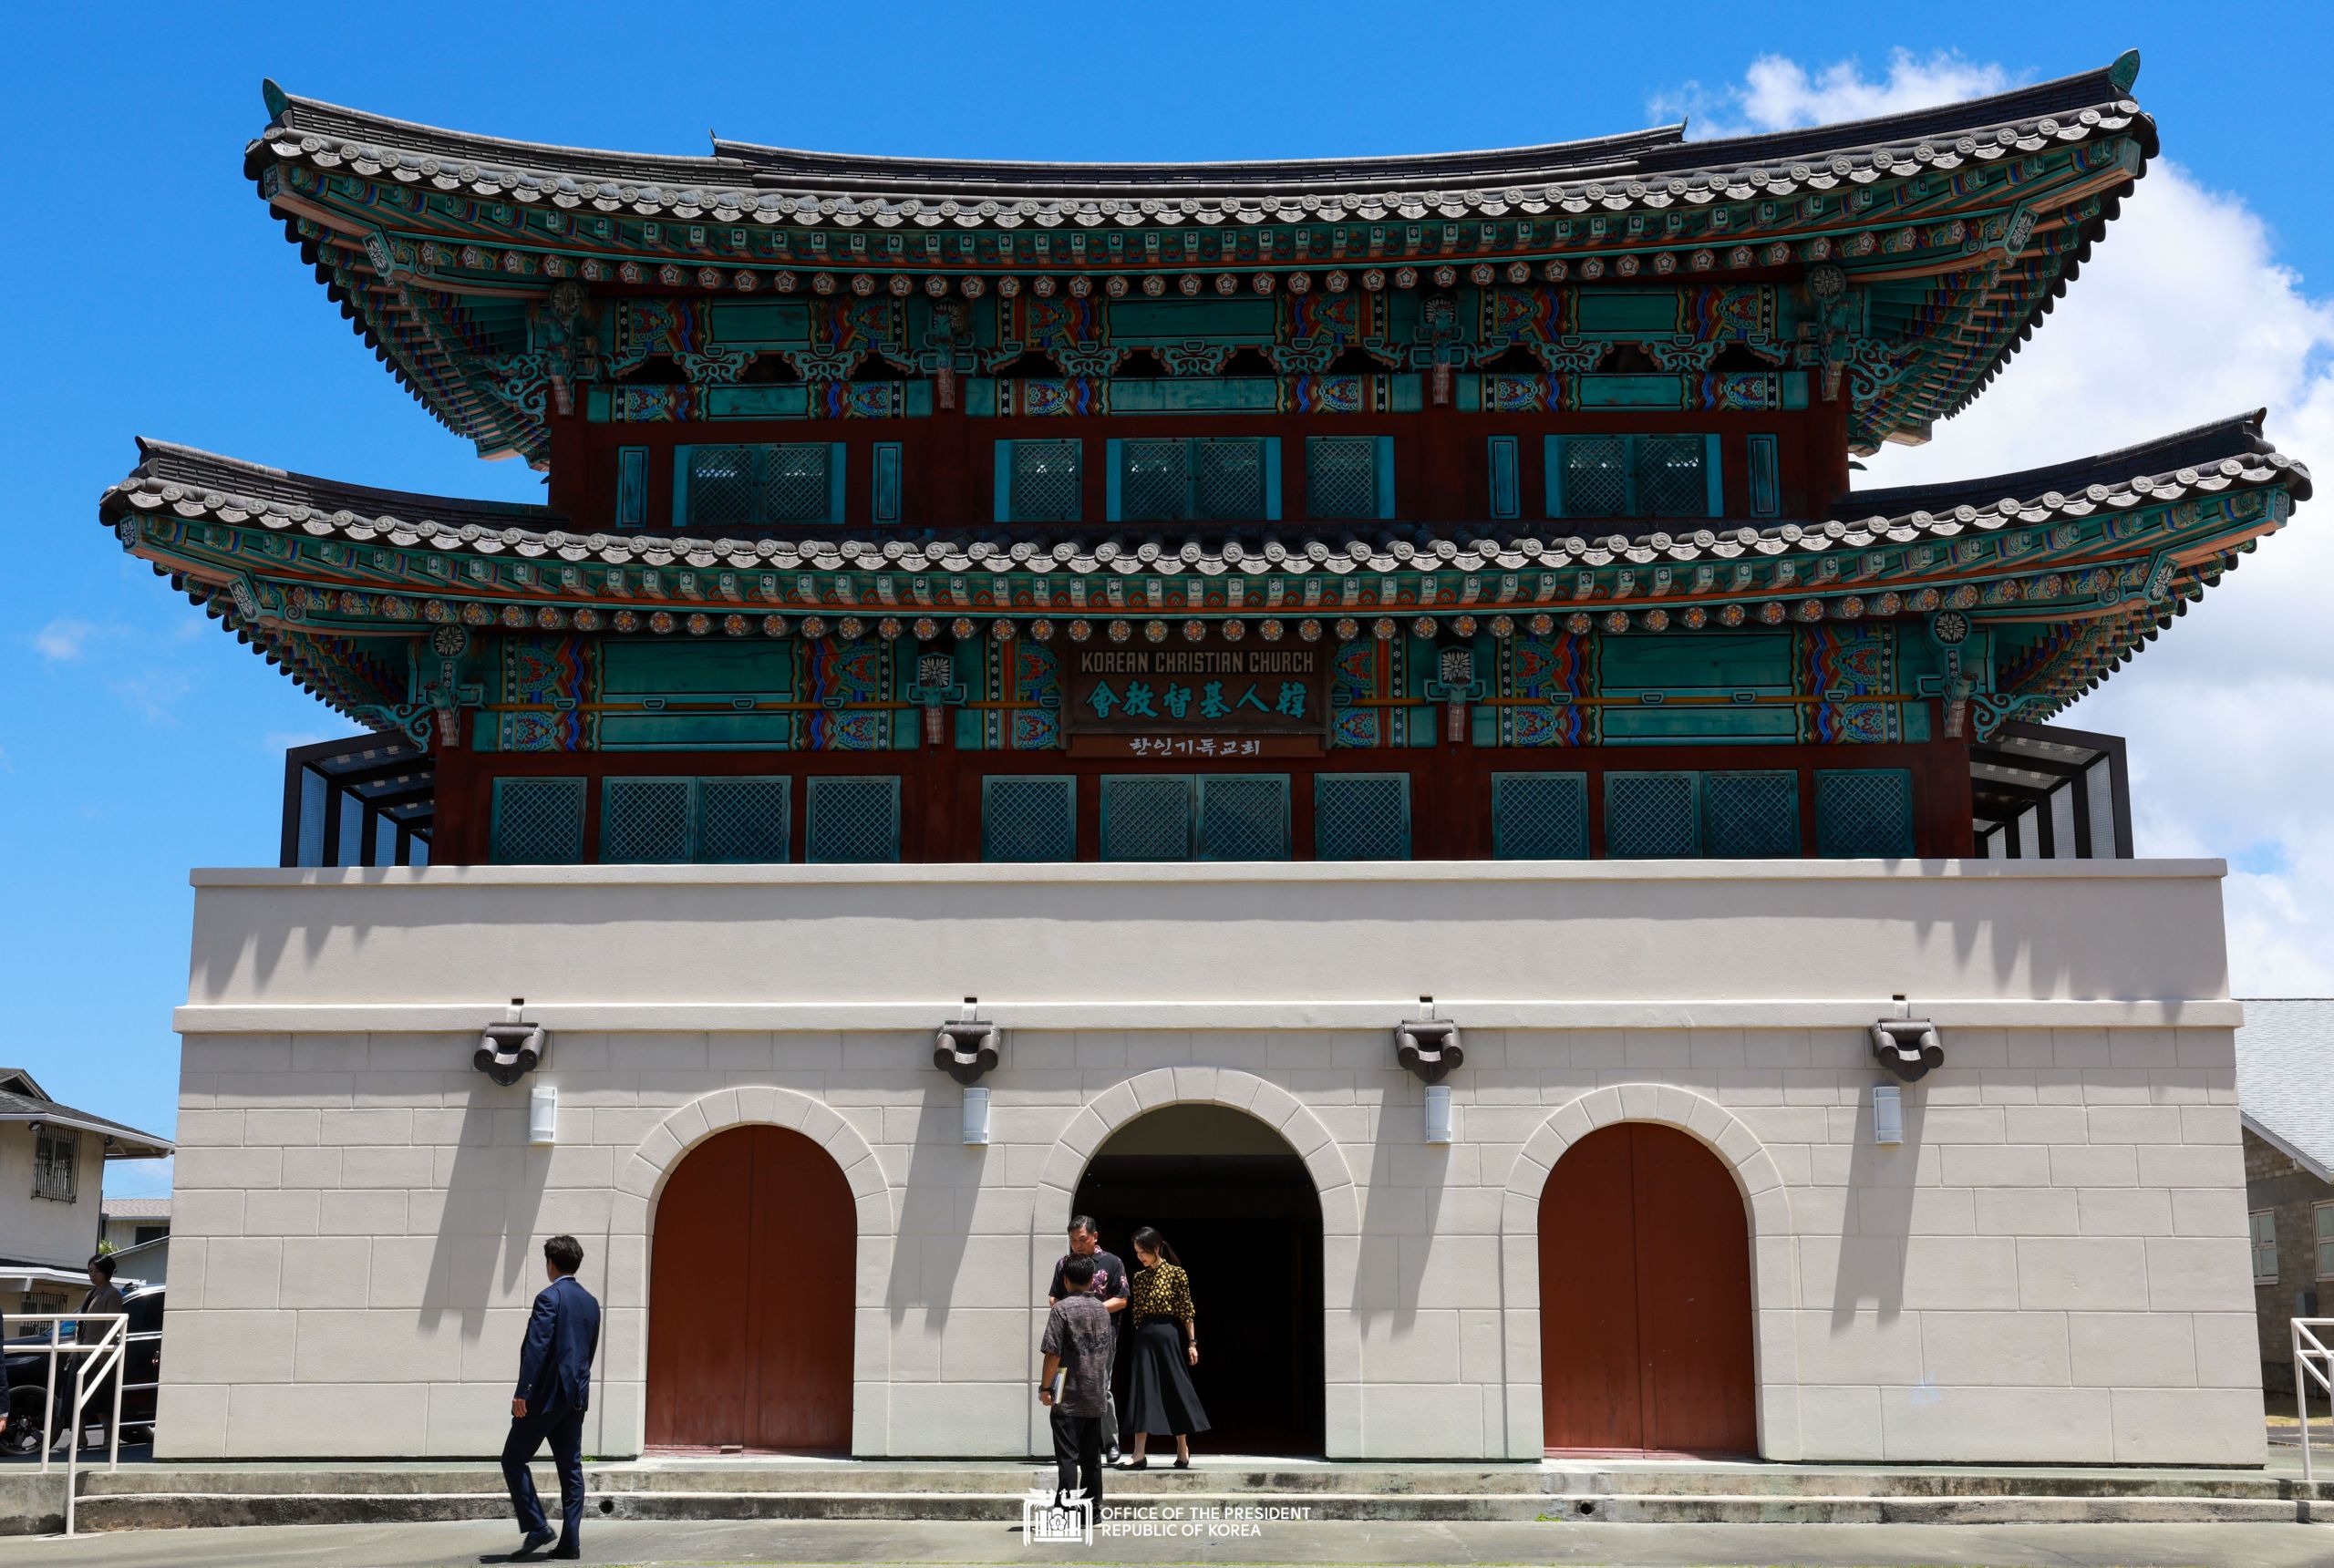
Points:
[102,1298]
[555,1389]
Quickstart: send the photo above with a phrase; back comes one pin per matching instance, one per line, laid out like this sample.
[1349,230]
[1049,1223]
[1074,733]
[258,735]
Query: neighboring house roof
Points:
[137,1208]
[21,1100]
[2283,1052]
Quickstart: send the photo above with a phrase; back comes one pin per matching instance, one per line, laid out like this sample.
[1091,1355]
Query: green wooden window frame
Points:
[1540,816]
[1176,486]
[1361,816]
[758,485]
[884,487]
[1765,476]
[852,819]
[537,822]
[632,487]
[1504,477]
[721,819]
[1195,817]
[1653,816]
[1028,818]
[1622,468]
[1041,480]
[1864,813]
[1750,814]
[1333,496]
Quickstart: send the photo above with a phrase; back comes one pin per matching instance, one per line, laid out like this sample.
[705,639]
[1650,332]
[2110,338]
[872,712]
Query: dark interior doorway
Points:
[1238,1206]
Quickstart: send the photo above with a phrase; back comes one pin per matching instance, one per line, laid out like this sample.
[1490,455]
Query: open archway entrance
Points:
[1644,1298]
[1237,1204]
[751,1285]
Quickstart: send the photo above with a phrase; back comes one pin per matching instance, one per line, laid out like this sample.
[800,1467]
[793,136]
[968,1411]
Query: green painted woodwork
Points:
[1540,816]
[1361,816]
[1028,818]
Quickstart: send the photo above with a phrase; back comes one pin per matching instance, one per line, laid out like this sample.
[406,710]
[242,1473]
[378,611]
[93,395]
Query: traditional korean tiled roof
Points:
[1953,228]
[2284,1087]
[2102,551]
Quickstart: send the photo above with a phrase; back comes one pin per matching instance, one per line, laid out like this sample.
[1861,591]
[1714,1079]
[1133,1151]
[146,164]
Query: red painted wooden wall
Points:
[751,1286]
[1644,1298]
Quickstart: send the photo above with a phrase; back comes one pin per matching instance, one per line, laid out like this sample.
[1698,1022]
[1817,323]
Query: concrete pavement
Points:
[648,1544]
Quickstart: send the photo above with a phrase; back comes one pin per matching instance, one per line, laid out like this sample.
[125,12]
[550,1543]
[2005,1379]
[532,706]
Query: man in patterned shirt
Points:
[1078,1346]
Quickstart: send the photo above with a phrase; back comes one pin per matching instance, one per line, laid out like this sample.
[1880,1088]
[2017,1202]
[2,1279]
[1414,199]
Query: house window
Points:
[2325,1225]
[1229,479]
[1634,476]
[1037,481]
[538,822]
[2265,1246]
[142,1234]
[710,820]
[54,1158]
[1224,817]
[757,486]
[853,821]
[1349,476]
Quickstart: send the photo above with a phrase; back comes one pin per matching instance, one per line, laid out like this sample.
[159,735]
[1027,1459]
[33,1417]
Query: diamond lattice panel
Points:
[1231,480]
[794,482]
[1154,485]
[1540,816]
[1029,819]
[1751,816]
[644,821]
[538,822]
[1865,812]
[721,487]
[1671,480]
[1243,818]
[853,821]
[742,821]
[1596,476]
[1362,818]
[1341,476]
[1649,816]
[1045,481]
[1146,819]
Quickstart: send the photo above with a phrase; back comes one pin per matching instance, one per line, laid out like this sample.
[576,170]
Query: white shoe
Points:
[63,1442]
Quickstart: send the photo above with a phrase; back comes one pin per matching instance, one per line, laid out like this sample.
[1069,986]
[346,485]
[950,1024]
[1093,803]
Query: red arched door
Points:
[1645,1297]
[751,1285]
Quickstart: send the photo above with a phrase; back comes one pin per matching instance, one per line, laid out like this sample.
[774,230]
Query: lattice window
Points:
[743,821]
[1650,816]
[1146,819]
[644,821]
[1028,819]
[1540,816]
[56,1165]
[538,822]
[1672,479]
[1361,817]
[1341,476]
[1863,812]
[1154,481]
[1596,476]
[1043,483]
[1244,818]
[721,487]
[794,482]
[1751,816]
[1231,479]
[757,486]
[853,821]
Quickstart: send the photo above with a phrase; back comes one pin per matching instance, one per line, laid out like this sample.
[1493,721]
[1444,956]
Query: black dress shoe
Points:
[535,1541]
[565,1554]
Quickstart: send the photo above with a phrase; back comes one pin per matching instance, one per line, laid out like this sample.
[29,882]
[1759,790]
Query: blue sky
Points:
[155,296]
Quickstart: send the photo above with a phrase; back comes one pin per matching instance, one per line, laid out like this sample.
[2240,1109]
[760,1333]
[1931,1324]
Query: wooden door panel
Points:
[751,1287]
[1645,1297]
[1588,1315]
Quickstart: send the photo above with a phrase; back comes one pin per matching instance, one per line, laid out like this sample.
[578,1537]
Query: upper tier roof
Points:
[1941,235]
[749,176]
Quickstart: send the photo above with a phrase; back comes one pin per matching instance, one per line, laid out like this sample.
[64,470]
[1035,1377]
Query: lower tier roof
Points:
[336,581]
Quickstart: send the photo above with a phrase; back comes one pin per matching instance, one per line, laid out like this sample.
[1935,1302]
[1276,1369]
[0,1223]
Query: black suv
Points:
[26,1371]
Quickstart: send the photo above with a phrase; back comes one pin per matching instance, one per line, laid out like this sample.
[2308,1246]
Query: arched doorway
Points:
[1644,1298]
[751,1285]
[1237,1204]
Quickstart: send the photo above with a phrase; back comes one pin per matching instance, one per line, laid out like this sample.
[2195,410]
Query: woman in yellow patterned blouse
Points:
[1160,1397]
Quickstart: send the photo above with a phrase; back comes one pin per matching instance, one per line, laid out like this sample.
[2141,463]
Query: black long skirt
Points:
[1160,1397]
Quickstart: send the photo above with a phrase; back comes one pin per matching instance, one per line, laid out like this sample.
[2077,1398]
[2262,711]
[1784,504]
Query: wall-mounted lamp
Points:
[1438,1113]
[509,1050]
[967,1048]
[1887,1115]
[1427,1046]
[1907,1046]
[543,1114]
[975,1118]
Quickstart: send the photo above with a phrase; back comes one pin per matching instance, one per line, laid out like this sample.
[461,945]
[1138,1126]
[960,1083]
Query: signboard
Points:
[1212,688]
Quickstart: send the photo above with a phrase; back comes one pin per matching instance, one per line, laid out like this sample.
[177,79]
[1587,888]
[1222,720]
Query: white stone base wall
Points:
[2052,1267]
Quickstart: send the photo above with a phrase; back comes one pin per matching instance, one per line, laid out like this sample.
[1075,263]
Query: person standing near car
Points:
[66,1420]
[1110,1282]
[554,1390]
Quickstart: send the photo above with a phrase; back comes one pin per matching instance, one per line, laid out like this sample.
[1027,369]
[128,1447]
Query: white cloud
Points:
[2184,315]
[1780,94]
[66,639]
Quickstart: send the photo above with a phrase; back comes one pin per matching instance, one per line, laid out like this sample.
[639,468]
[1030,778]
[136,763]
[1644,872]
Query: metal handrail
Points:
[99,1357]
[2312,1361]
